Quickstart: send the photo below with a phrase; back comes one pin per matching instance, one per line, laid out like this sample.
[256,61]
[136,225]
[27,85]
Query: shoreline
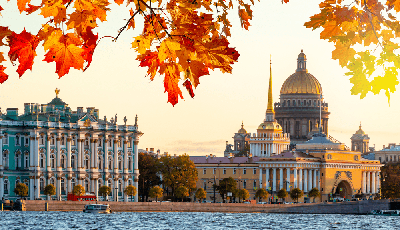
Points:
[350,207]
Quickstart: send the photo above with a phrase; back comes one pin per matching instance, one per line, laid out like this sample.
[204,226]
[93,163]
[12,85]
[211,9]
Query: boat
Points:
[97,208]
[385,212]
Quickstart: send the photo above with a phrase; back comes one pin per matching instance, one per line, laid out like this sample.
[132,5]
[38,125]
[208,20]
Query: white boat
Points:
[385,212]
[97,208]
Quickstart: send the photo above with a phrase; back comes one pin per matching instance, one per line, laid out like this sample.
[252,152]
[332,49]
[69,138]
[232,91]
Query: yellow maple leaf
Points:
[167,49]
[54,8]
[141,44]
[343,53]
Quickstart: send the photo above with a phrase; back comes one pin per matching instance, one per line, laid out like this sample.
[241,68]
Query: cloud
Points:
[179,147]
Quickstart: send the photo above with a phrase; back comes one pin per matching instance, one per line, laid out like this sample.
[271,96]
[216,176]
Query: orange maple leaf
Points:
[149,59]
[171,80]
[90,43]
[22,4]
[23,47]
[189,88]
[4,32]
[65,51]
[81,20]
[55,9]
[3,76]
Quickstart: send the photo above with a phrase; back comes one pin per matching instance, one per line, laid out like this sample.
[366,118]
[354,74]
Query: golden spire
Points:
[360,125]
[57,92]
[242,124]
[270,107]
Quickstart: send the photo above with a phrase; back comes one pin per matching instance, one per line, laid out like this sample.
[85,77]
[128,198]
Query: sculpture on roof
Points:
[125,120]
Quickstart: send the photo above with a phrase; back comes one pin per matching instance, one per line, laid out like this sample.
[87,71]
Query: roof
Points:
[293,154]
[223,160]
[301,83]
[57,101]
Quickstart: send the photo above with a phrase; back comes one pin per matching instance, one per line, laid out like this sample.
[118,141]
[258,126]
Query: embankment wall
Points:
[354,207]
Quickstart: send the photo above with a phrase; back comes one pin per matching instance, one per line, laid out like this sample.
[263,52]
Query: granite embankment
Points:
[354,207]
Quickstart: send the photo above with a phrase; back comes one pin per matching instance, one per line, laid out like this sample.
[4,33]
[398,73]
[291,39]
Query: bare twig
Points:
[127,23]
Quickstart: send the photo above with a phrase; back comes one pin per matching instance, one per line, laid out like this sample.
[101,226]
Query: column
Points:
[92,154]
[116,155]
[315,179]
[301,179]
[373,190]
[260,171]
[125,182]
[79,158]
[96,187]
[288,179]
[378,182]
[251,149]
[274,179]
[31,188]
[368,182]
[96,154]
[36,155]
[310,179]
[58,187]
[364,182]
[261,149]
[267,179]
[295,178]
[305,181]
[31,152]
[116,191]
[125,155]
[280,178]
[58,154]
[136,166]
[69,154]
[37,191]
[1,161]
[319,180]
[106,184]
[69,184]
[48,152]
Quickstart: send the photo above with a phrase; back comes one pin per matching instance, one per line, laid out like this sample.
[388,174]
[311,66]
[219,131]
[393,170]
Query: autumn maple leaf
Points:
[22,47]
[65,50]
[189,88]
[3,76]
[89,45]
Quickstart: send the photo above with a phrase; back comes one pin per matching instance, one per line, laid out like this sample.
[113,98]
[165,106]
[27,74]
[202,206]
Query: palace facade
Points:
[51,144]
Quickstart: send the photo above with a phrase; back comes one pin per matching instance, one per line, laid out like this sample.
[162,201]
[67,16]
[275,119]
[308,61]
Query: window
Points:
[204,171]
[52,181]
[110,163]
[204,185]
[120,186]
[17,140]
[255,184]
[63,161]
[234,171]
[26,141]
[109,143]
[73,141]
[356,158]
[244,184]
[52,161]
[329,157]
[73,161]
[6,186]
[86,162]
[129,143]
[41,184]
[62,185]
[100,142]
[322,174]
[99,183]
[100,163]
[244,171]
[86,142]
[130,163]
[26,162]
[288,102]
[5,159]
[62,140]
[224,171]
[18,159]
[119,143]
[119,163]
[214,171]
[41,162]
[86,185]
[52,140]
[73,183]
[41,140]
[5,140]
[254,171]
[380,159]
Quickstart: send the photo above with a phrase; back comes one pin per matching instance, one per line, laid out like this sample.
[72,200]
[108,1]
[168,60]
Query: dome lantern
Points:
[301,62]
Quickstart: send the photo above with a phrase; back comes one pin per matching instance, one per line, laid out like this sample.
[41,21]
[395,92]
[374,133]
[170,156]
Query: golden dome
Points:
[301,82]
[270,126]
[242,130]
[302,55]
[360,131]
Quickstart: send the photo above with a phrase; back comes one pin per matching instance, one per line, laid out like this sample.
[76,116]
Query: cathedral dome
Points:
[301,82]
[242,130]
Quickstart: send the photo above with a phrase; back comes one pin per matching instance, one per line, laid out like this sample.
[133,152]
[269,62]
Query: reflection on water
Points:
[191,220]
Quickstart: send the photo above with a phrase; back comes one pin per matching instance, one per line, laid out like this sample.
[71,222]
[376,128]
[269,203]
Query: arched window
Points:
[26,161]
[73,183]
[41,184]
[63,161]
[100,142]
[6,186]
[52,161]
[86,185]
[119,143]
[86,142]
[129,163]
[17,140]
[62,185]
[110,143]
[129,182]
[110,184]
[52,181]
[52,140]
[120,186]
[73,161]
[86,162]
[110,163]
[5,158]
[41,162]
[119,163]
[100,163]
[129,143]
[17,181]
[62,140]
[99,183]
[18,160]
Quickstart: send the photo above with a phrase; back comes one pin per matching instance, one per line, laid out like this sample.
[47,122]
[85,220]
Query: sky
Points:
[115,84]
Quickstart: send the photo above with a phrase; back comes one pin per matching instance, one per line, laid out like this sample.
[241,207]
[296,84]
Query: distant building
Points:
[211,170]
[51,144]
[240,143]
[360,141]
[390,154]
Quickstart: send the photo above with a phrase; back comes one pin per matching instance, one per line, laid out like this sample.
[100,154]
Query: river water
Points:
[191,220]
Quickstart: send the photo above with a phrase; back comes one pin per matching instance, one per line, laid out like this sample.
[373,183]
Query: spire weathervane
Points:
[57,92]
[270,107]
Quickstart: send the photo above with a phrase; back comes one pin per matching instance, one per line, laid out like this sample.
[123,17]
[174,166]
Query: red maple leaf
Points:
[23,47]
[189,88]
[89,45]
[3,76]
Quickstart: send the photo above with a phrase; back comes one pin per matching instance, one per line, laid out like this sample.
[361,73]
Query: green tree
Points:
[149,168]
[49,190]
[21,190]
[182,192]
[243,194]
[282,194]
[130,190]
[226,185]
[104,191]
[201,194]
[78,190]
[390,181]
[179,171]
[156,192]
[296,193]
[262,193]
[314,192]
